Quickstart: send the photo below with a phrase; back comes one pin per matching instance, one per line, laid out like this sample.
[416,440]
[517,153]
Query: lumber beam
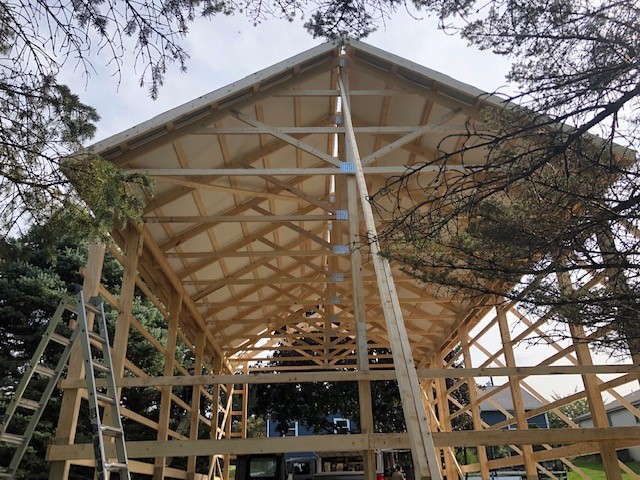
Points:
[309,171]
[356,442]
[423,451]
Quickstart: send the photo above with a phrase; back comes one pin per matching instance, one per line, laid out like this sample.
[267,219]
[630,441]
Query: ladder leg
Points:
[35,359]
[103,466]
[87,337]
[44,399]
[38,407]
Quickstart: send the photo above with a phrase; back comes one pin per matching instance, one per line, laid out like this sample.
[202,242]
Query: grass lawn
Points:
[595,470]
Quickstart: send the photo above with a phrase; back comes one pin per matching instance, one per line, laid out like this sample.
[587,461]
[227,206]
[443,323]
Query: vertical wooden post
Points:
[121,337]
[445,416]
[596,405]
[166,391]
[422,447]
[594,396]
[228,417]
[473,399]
[364,386]
[196,398]
[216,432]
[123,323]
[516,392]
[68,420]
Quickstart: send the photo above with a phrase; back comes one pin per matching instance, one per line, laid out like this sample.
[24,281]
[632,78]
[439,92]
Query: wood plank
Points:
[287,138]
[243,192]
[166,391]
[182,380]
[239,218]
[253,253]
[393,129]
[336,93]
[473,399]
[183,448]
[357,442]
[408,138]
[423,452]
[516,392]
[210,173]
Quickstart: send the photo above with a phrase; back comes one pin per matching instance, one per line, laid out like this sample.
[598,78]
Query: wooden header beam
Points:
[346,443]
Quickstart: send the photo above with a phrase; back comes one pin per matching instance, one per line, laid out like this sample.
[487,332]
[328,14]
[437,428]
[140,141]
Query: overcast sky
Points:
[227,49]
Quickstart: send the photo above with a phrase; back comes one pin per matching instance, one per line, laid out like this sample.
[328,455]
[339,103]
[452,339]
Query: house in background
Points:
[492,410]
[341,426]
[306,463]
[619,416]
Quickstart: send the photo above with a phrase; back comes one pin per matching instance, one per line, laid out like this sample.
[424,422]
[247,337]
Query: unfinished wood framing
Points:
[253,242]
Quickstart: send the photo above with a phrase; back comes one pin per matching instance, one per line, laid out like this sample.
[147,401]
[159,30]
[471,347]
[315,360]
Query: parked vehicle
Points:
[318,466]
[270,466]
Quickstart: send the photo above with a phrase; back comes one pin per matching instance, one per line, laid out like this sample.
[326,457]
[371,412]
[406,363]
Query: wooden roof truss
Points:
[253,243]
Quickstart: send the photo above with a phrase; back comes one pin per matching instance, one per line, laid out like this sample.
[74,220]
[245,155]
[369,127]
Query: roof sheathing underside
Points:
[260,283]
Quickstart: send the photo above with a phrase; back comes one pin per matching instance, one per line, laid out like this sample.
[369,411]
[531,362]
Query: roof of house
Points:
[633,398]
[502,399]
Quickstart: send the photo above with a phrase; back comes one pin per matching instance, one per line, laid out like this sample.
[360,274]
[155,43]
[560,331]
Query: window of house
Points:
[293,430]
[341,425]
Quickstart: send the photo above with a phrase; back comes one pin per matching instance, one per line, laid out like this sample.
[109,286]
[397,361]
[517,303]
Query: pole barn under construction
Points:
[253,242]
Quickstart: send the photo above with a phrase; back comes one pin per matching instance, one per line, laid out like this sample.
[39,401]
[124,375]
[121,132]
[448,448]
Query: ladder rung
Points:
[112,467]
[105,398]
[30,404]
[111,431]
[62,340]
[92,309]
[95,336]
[98,367]
[7,475]
[12,438]
[44,371]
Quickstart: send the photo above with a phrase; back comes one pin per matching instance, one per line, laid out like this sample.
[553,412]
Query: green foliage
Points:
[572,410]
[312,404]
[256,427]
[552,199]
[543,205]
[34,273]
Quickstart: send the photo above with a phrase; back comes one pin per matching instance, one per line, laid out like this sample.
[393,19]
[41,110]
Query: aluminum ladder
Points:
[88,338]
